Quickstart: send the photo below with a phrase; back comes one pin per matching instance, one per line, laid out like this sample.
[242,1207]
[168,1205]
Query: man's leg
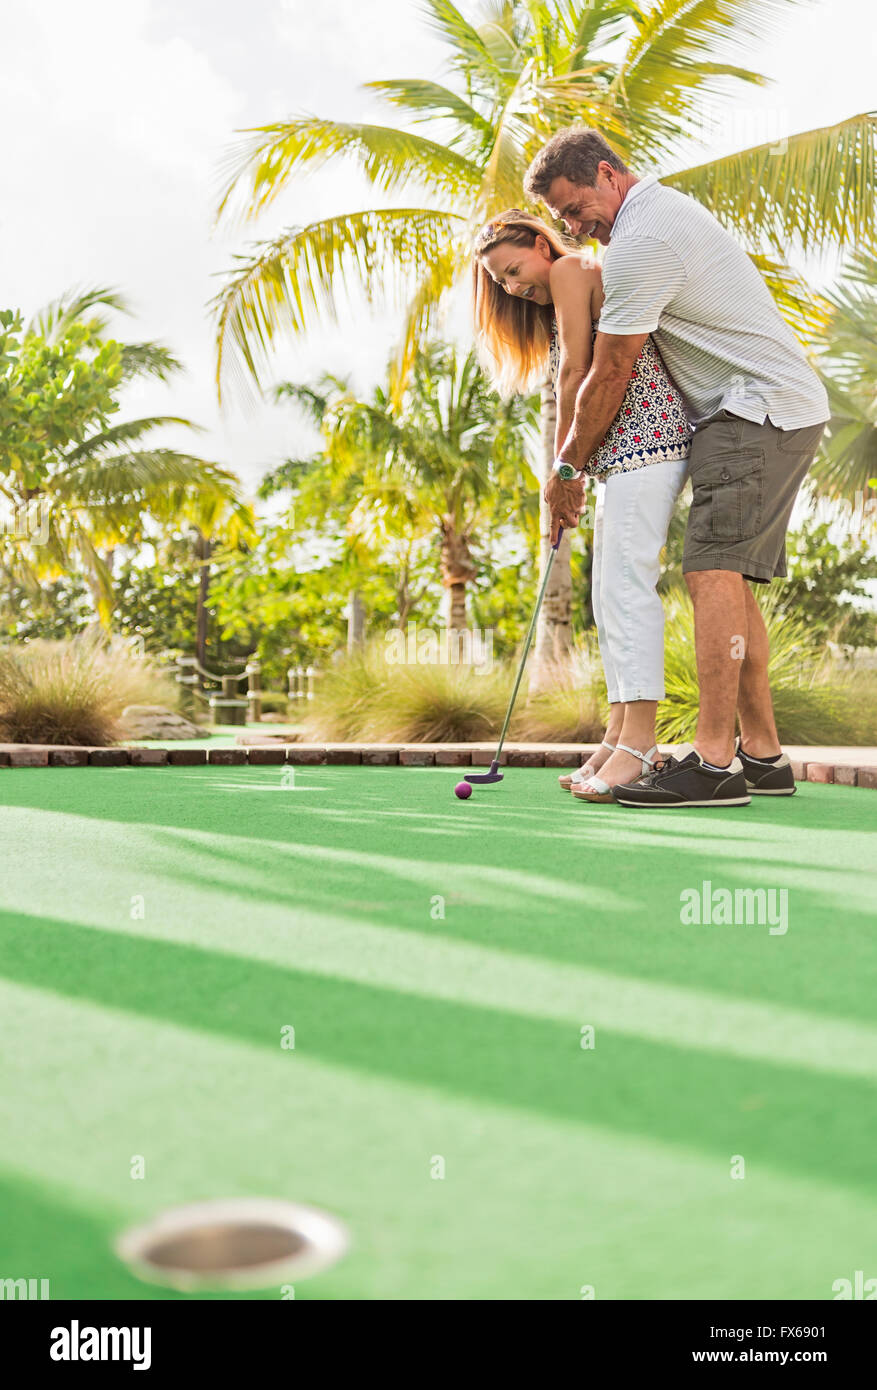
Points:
[720,634]
[758,732]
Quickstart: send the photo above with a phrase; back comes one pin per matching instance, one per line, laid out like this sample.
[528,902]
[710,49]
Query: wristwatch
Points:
[564,471]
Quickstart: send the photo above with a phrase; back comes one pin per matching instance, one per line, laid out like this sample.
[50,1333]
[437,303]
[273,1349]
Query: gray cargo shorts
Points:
[745,478]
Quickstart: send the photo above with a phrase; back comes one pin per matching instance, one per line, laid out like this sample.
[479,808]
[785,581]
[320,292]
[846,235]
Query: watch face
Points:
[566,472]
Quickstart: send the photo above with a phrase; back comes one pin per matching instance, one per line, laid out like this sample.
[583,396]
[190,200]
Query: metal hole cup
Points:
[244,1243]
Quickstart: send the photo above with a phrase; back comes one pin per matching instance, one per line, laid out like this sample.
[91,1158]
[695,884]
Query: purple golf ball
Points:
[462,790]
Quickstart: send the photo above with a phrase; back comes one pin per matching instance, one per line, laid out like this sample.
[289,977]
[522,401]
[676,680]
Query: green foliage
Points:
[410,482]
[51,394]
[367,697]
[77,484]
[73,692]
[285,597]
[815,702]
[273,702]
[828,585]
[156,602]
[58,609]
[848,458]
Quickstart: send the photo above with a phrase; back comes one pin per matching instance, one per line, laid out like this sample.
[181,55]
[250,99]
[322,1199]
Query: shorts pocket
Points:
[728,496]
[794,443]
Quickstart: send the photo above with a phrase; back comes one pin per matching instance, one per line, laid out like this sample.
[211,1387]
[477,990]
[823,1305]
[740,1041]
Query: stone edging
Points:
[366,755]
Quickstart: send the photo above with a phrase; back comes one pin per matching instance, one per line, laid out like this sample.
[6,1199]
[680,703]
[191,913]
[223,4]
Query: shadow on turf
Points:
[822,964]
[819,1127]
[648,941]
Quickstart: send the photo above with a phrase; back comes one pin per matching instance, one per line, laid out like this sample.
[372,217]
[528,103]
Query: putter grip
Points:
[559,539]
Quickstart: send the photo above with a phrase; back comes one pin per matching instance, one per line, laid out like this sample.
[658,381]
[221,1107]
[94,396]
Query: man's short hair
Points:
[572,154]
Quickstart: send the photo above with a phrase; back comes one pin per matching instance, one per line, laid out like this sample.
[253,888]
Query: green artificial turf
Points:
[439,961]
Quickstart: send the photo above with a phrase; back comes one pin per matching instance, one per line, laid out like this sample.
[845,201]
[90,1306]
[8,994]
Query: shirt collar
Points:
[639,187]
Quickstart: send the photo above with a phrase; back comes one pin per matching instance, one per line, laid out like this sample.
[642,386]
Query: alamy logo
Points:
[75,1343]
[708,906]
[27,521]
[447,647]
[24,1288]
[857,1287]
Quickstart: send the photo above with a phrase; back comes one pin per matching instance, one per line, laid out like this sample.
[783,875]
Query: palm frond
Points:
[423,309]
[141,476]
[101,578]
[847,461]
[55,318]
[469,55]
[149,360]
[581,29]
[430,101]
[813,190]
[849,339]
[684,32]
[389,158]
[806,312]
[669,64]
[291,282]
[127,432]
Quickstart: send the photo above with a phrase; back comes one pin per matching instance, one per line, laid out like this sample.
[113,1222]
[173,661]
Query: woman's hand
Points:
[566,502]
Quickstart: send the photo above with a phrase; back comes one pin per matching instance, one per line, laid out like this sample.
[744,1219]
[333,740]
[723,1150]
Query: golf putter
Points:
[494,775]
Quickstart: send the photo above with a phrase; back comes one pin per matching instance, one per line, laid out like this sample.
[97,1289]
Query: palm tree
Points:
[99,492]
[444,459]
[847,467]
[640,72]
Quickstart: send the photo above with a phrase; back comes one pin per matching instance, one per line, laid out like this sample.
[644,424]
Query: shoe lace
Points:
[661,766]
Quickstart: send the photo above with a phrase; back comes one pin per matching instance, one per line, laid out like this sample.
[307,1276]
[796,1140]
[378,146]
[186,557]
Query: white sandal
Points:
[569,779]
[595,789]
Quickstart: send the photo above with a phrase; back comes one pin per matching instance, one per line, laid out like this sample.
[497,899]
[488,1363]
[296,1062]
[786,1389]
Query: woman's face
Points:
[521,270]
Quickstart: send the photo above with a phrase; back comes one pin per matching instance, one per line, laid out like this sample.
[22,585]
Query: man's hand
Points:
[566,502]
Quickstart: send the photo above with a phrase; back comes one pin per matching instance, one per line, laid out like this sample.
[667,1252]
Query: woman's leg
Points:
[616,708]
[637,511]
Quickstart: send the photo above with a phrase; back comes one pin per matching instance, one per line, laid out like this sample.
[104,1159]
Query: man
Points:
[758,412]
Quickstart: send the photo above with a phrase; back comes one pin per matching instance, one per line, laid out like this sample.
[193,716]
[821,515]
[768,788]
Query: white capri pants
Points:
[630,528]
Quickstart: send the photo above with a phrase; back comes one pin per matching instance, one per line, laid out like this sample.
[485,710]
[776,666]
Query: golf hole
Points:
[248,1243]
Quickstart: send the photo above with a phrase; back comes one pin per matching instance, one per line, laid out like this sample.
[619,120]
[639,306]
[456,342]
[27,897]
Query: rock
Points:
[154,721]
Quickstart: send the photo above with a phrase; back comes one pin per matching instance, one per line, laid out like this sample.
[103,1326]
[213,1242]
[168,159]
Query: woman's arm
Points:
[576,288]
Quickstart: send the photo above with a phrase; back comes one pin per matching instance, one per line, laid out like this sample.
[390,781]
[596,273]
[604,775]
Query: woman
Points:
[537,308]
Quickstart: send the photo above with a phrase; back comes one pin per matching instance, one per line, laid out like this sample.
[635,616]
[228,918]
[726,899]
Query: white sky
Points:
[116,114]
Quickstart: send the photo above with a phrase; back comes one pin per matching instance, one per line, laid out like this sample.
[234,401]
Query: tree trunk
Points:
[355,622]
[457,571]
[404,597]
[553,638]
[202,552]
[456,608]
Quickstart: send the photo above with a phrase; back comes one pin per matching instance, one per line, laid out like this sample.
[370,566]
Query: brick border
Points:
[276,754]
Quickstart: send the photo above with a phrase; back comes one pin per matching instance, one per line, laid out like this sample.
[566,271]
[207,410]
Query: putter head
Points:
[494,775]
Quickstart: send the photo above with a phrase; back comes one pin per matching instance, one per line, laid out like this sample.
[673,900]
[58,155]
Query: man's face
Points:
[587,212]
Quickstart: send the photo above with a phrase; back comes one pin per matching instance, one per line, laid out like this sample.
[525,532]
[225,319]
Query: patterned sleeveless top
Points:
[651,425]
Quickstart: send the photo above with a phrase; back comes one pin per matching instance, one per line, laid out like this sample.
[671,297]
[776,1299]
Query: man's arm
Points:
[569,382]
[597,404]
[600,395]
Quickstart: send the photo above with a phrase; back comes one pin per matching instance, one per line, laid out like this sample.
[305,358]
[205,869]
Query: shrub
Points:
[73,691]
[569,705]
[366,697]
[274,703]
[815,699]
[363,697]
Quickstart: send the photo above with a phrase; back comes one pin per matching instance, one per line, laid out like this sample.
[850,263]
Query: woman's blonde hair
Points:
[512,334]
